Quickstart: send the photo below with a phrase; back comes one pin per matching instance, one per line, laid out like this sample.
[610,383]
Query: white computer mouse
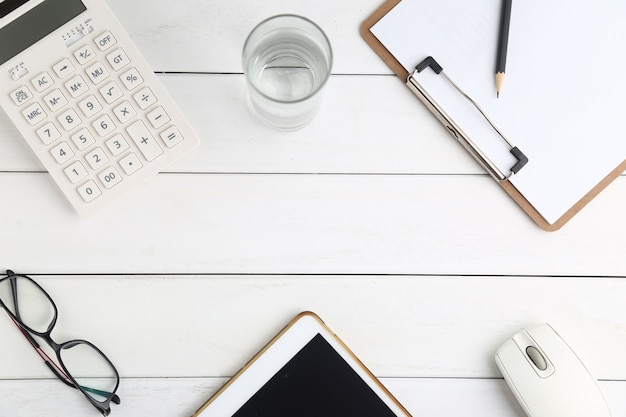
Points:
[547,377]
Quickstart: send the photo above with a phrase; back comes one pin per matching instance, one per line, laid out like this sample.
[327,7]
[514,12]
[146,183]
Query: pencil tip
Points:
[497,94]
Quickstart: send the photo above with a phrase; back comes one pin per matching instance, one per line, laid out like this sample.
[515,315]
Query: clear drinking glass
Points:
[286,61]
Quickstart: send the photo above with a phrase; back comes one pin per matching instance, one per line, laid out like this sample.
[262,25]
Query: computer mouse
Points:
[547,377]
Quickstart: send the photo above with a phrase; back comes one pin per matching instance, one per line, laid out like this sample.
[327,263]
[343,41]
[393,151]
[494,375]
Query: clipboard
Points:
[610,170]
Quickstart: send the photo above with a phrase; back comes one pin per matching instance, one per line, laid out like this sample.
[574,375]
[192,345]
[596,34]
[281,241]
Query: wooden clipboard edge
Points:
[376,45]
[529,209]
[585,200]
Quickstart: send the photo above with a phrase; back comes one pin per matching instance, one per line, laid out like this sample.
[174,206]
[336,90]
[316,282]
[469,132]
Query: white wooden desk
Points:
[372,216]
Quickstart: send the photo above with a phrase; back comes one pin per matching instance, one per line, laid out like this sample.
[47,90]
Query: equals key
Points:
[171,137]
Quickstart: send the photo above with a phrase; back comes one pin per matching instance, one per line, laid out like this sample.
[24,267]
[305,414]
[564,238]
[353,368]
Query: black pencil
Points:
[503,41]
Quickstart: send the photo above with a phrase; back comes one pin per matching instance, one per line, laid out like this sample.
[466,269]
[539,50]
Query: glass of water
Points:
[286,61]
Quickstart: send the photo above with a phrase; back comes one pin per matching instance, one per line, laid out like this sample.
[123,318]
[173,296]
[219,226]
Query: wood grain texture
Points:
[400,326]
[403,224]
[182,396]
[373,217]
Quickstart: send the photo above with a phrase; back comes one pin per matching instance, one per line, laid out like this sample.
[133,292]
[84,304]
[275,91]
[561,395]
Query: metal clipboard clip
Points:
[455,130]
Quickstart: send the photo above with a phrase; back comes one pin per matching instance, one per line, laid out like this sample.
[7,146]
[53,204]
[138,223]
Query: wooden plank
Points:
[350,135]
[367,125]
[387,224]
[182,396]
[400,326]
[202,36]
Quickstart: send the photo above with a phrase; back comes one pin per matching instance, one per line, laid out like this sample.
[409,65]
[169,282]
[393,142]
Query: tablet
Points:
[305,371]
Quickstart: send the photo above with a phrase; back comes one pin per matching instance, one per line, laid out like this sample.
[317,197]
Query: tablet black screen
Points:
[316,382]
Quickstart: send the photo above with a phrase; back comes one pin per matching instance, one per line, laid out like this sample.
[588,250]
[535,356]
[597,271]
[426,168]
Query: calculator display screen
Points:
[7,6]
[35,24]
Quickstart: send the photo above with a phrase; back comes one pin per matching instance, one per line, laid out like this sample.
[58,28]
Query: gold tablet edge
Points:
[275,339]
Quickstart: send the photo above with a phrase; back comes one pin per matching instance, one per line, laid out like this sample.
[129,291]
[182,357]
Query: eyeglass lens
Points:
[26,301]
[90,369]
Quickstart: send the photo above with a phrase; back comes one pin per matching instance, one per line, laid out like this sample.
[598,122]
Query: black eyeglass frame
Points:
[65,375]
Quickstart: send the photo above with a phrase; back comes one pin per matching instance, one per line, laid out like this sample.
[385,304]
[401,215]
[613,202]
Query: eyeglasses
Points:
[81,365]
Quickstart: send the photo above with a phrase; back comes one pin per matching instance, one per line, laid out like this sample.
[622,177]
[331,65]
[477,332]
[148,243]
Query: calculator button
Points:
[69,120]
[118,59]
[117,145]
[77,86]
[21,95]
[90,106]
[89,191]
[103,125]
[63,68]
[130,164]
[105,41]
[131,79]
[97,73]
[124,112]
[83,139]
[110,177]
[158,117]
[48,133]
[55,100]
[34,114]
[171,137]
[42,82]
[144,98]
[144,140]
[111,92]
[62,153]
[75,172]
[96,158]
[84,54]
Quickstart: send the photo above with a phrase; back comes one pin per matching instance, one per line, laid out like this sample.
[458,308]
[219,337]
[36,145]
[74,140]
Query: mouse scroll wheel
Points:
[537,358]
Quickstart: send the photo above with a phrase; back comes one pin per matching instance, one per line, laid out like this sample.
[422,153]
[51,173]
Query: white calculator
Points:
[85,99]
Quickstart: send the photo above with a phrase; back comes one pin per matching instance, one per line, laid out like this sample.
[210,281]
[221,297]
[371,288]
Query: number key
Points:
[90,106]
[48,133]
[69,120]
[62,153]
[110,177]
[103,125]
[89,191]
[83,139]
[96,158]
[75,172]
[117,145]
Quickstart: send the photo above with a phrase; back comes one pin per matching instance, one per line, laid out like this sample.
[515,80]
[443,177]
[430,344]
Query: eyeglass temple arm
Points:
[13,283]
[60,374]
